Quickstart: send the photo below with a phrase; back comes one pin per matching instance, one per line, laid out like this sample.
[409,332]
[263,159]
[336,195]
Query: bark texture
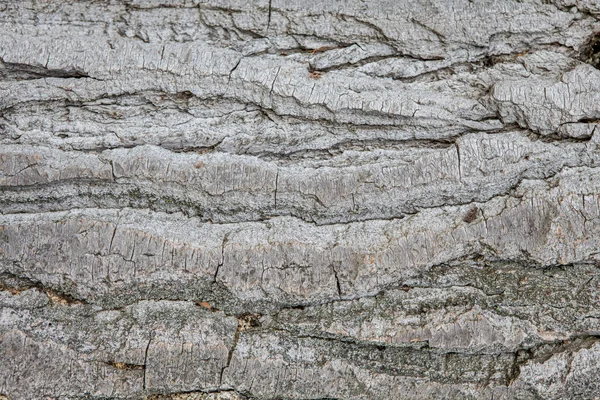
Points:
[299,199]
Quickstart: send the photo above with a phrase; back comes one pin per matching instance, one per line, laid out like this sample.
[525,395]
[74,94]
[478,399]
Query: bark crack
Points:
[145,366]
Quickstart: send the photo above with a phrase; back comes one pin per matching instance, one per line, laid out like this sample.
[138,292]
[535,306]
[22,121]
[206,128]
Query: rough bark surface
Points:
[299,199]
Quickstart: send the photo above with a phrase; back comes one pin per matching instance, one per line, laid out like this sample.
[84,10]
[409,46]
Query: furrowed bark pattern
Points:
[284,199]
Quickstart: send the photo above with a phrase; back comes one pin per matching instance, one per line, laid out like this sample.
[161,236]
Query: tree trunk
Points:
[299,199]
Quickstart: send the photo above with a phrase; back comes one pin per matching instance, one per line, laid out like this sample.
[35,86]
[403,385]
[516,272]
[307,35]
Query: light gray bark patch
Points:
[234,199]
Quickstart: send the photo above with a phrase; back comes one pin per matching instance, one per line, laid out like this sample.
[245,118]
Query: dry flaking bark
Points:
[230,200]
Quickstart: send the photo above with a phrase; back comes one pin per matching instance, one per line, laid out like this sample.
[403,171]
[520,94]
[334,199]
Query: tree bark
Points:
[299,199]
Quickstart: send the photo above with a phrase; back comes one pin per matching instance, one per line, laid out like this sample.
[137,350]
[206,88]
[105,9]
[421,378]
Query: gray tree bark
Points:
[299,199]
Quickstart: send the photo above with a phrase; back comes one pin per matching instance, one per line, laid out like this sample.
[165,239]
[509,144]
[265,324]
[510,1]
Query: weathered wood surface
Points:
[299,199]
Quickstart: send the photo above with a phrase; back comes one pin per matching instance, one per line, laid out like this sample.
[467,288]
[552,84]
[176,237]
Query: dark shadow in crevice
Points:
[590,52]
[19,72]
